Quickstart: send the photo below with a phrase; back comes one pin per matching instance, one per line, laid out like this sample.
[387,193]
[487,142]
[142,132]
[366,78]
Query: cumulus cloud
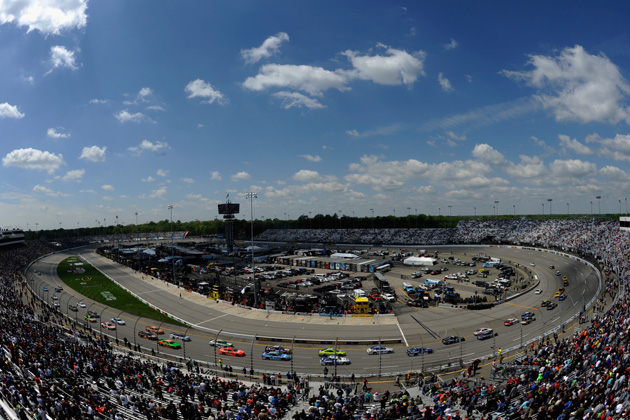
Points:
[297,100]
[60,57]
[74,175]
[188,180]
[10,111]
[159,193]
[53,133]
[162,172]
[201,89]
[309,79]
[578,86]
[48,17]
[215,176]
[352,133]
[394,68]
[126,116]
[269,47]
[148,179]
[107,187]
[574,146]
[486,153]
[382,175]
[146,145]
[47,191]
[93,153]
[616,148]
[572,168]
[241,176]
[305,175]
[312,158]
[99,101]
[33,159]
[444,83]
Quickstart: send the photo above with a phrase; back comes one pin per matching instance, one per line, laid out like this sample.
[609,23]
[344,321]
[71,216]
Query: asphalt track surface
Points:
[421,327]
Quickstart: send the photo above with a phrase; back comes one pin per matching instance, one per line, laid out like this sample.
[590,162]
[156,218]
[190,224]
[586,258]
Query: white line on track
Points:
[211,319]
[403,335]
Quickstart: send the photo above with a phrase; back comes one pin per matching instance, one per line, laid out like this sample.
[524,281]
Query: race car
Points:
[275,355]
[180,336]
[94,314]
[147,335]
[280,349]
[220,343]
[154,329]
[510,321]
[485,335]
[330,352]
[334,360]
[108,325]
[380,350]
[73,308]
[482,330]
[452,339]
[562,296]
[415,351]
[118,321]
[551,306]
[170,344]
[81,304]
[231,351]
[538,291]
[89,318]
[545,302]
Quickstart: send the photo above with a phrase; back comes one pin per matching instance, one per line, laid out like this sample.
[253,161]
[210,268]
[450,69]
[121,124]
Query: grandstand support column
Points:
[292,344]
[251,196]
[380,359]
[184,341]
[134,331]
[251,358]
[215,347]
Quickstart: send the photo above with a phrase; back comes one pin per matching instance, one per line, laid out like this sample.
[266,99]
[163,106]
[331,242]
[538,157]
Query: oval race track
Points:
[421,327]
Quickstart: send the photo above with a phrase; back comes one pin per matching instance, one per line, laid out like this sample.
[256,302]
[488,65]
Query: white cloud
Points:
[444,83]
[305,175]
[486,153]
[107,187]
[530,167]
[578,86]
[126,116]
[312,158]
[201,89]
[62,57]
[188,180]
[572,168]
[385,175]
[53,133]
[74,175]
[148,179]
[268,48]
[156,108]
[10,111]
[309,79]
[99,101]
[33,159]
[146,145]
[616,148]
[48,16]
[108,198]
[451,45]
[386,130]
[241,176]
[298,100]
[454,136]
[215,176]
[573,145]
[47,191]
[162,172]
[94,153]
[397,67]
[159,193]
[353,133]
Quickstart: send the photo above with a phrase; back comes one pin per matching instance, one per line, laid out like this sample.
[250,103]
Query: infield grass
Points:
[90,282]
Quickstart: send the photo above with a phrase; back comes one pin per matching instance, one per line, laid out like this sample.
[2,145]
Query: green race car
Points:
[331,351]
[169,343]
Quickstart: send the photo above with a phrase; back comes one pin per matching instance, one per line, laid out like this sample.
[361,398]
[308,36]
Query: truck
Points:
[434,283]
[491,264]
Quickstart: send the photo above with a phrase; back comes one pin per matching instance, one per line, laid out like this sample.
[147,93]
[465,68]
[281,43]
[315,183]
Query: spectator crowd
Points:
[52,370]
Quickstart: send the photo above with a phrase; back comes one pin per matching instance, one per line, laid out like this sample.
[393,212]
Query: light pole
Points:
[619,206]
[543,211]
[591,208]
[514,207]
[251,196]
[439,211]
[170,207]
[450,210]
[497,204]
[340,216]
[568,210]
[625,198]
[599,203]
[409,217]
[475,208]
[136,218]
[550,200]
[372,210]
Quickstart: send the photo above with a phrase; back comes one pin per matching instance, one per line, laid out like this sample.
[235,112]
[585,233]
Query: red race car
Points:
[231,351]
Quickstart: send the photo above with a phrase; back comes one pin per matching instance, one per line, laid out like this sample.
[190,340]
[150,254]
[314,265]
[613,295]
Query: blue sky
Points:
[115,107]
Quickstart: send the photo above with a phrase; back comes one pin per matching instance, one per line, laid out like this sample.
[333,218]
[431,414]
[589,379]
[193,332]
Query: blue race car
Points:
[334,360]
[278,348]
[275,355]
[415,351]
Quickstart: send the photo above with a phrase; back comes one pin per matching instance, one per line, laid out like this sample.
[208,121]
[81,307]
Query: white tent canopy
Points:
[419,261]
